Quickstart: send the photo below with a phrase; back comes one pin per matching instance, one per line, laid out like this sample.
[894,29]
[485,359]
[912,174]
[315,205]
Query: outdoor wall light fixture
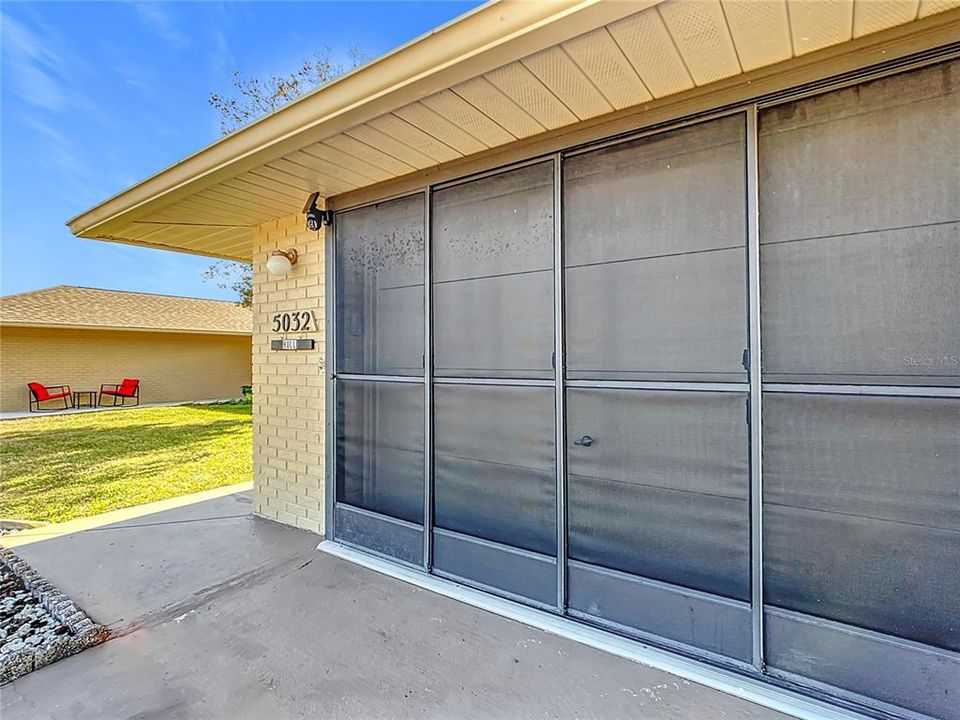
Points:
[281,261]
[316,218]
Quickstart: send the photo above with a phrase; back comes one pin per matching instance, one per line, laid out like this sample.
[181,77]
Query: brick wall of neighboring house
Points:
[289,395]
[171,366]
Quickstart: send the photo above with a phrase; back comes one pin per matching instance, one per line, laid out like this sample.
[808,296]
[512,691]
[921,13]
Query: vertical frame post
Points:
[427,388]
[756,390]
[559,378]
[330,370]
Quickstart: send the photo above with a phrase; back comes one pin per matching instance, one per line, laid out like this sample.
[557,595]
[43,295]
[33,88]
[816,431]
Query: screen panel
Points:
[379,533]
[655,256]
[524,576]
[860,233]
[380,288]
[492,250]
[380,447]
[862,512]
[662,489]
[660,319]
[494,464]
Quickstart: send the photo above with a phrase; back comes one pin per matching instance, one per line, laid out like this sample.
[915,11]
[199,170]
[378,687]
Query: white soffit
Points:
[595,58]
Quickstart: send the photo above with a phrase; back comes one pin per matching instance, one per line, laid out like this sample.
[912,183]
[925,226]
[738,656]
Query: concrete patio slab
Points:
[219,614]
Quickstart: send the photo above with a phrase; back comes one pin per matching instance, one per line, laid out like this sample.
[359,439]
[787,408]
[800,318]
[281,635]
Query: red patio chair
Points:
[41,393]
[129,388]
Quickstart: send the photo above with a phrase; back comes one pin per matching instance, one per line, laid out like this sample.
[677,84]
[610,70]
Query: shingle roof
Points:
[71,306]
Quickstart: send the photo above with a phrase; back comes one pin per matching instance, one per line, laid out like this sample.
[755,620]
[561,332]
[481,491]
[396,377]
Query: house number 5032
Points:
[296,321]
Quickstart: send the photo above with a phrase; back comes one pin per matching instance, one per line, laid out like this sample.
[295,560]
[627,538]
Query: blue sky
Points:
[97,96]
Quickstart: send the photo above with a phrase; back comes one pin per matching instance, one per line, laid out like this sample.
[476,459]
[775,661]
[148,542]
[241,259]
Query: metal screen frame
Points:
[481,381]
[427,383]
[756,394]
[754,386]
[330,380]
[560,368]
[333,504]
[742,387]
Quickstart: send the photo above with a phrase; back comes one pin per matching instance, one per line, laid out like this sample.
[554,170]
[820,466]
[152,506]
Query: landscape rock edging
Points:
[22,650]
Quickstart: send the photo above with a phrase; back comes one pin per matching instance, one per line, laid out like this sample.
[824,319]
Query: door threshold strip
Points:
[754,690]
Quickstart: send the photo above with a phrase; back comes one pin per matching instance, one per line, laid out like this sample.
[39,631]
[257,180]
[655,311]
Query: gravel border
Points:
[81,633]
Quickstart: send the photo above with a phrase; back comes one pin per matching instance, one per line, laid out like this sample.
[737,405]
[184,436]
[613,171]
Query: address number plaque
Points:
[294,321]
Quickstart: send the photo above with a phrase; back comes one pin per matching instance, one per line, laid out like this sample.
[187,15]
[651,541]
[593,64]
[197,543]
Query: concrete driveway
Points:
[219,614]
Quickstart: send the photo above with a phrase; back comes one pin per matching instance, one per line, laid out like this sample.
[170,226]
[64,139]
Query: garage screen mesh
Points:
[655,257]
[860,226]
[494,467]
[493,276]
[380,447]
[662,490]
[862,512]
[860,273]
[380,288]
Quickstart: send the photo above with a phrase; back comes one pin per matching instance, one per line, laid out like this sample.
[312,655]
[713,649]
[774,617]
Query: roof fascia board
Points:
[240,256]
[489,37]
[116,328]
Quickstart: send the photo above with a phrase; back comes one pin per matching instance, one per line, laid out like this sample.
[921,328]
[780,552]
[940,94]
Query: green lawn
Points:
[57,468]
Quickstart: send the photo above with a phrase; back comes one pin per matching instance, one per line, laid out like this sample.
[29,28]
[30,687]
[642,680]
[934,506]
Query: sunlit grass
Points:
[57,468]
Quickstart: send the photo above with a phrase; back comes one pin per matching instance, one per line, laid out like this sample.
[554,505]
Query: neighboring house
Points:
[179,348]
[562,233]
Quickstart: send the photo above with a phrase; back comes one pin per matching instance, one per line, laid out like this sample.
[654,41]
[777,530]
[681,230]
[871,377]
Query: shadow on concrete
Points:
[216,613]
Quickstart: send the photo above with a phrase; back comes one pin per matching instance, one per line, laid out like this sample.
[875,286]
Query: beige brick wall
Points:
[288,386]
[171,366]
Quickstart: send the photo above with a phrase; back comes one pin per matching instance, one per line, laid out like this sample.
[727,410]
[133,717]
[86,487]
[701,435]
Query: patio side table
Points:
[91,396]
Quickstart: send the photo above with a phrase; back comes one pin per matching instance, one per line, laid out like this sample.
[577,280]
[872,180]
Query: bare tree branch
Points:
[235,276]
[252,98]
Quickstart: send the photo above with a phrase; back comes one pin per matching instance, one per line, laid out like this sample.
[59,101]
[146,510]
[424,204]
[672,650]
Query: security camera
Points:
[316,218]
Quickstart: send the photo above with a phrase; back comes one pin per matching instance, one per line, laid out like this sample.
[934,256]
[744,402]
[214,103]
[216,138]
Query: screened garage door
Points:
[547,385]
[658,482]
[860,275]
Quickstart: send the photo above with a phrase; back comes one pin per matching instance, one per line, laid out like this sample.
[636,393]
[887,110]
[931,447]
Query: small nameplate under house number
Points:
[292,344]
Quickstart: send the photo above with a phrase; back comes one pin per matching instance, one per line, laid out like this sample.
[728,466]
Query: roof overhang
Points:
[507,74]
[121,328]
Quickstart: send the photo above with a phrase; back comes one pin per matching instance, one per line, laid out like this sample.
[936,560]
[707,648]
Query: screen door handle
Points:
[585,441]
